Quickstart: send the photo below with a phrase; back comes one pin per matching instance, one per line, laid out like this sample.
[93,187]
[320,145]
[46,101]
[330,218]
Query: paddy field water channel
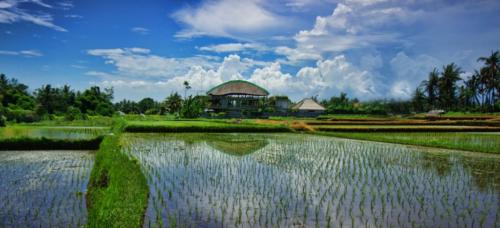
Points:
[269,180]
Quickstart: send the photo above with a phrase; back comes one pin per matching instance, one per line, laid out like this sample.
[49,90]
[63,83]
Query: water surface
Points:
[44,188]
[257,180]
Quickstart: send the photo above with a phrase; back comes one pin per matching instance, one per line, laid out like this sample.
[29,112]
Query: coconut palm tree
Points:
[490,76]
[431,87]
[447,85]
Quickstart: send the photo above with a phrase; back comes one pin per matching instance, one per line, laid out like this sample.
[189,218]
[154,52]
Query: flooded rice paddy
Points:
[291,180]
[44,188]
[52,132]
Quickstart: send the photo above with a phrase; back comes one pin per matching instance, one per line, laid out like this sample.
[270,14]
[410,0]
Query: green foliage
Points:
[192,107]
[3,120]
[22,115]
[73,113]
[105,109]
[54,100]
[117,191]
[95,101]
[479,92]
[173,103]
[24,143]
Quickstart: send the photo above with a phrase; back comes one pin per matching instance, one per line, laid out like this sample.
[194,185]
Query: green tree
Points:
[146,104]
[173,103]
[192,107]
[490,77]
[418,100]
[46,98]
[92,98]
[431,86]
[448,85]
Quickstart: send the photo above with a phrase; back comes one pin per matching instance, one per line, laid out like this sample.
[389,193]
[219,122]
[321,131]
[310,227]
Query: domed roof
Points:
[238,87]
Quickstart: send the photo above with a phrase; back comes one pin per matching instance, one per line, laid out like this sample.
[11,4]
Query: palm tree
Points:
[490,76]
[186,88]
[431,87]
[447,85]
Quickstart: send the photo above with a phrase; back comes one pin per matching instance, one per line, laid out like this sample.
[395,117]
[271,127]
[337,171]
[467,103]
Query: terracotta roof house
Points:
[237,98]
[308,108]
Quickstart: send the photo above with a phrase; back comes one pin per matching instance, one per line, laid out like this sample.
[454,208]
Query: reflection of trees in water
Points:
[232,144]
[485,171]
[440,163]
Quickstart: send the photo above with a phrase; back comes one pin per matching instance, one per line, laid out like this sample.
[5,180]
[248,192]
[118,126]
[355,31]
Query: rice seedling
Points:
[44,188]
[52,132]
[312,181]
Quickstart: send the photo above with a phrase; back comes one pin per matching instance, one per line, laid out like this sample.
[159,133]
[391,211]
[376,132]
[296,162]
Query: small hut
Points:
[237,98]
[308,108]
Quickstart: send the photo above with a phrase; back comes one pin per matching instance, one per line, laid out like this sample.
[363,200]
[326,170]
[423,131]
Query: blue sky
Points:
[368,48]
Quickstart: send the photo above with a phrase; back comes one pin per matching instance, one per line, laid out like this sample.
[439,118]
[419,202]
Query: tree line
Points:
[443,89]
[446,90]
[19,105]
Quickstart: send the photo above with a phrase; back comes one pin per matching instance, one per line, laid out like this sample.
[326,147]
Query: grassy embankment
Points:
[203,126]
[487,143]
[448,131]
[25,143]
[117,191]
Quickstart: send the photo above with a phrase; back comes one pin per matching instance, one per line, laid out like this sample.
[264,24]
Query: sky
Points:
[369,49]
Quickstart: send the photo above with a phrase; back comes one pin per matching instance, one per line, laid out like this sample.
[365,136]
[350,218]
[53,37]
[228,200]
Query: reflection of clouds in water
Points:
[308,180]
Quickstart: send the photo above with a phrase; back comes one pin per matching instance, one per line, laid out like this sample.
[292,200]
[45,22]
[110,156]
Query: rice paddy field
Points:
[297,180]
[487,142]
[52,132]
[44,188]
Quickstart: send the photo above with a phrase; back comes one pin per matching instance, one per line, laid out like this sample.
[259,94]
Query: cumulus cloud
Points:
[226,18]
[352,25]
[408,72]
[138,68]
[10,12]
[24,53]
[138,62]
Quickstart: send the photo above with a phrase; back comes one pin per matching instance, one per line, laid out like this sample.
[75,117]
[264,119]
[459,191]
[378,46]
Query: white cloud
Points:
[140,30]
[329,77]
[409,72]
[11,13]
[201,78]
[24,53]
[226,18]
[233,47]
[352,25]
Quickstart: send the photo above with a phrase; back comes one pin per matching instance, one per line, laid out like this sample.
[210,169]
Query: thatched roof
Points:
[238,87]
[308,104]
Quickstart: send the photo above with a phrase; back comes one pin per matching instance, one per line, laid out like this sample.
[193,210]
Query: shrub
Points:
[105,109]
[2,121]
[73,114]
[21,115]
